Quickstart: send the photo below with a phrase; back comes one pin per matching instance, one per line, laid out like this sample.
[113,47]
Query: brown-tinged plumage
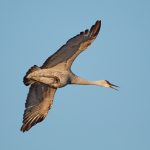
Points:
[56,73]
[39,101]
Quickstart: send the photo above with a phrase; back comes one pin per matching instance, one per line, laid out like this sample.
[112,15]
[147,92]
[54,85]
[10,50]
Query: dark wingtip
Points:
[98,22]
[95,28]
[27,126]
[23,129]
[30,119]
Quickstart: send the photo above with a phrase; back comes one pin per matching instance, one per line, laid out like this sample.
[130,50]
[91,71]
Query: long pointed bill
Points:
[114,86]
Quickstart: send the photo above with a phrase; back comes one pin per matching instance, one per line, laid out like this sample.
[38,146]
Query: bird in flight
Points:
[56,73]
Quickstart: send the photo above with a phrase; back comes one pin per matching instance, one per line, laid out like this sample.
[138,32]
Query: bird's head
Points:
[107,84]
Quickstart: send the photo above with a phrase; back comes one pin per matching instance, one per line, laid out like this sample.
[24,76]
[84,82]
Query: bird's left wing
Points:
[65,56]
[38,103]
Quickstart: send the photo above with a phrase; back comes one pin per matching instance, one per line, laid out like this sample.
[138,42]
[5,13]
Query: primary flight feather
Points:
[56,73]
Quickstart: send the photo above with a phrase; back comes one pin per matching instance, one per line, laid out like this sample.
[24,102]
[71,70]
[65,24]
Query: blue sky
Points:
[82,117]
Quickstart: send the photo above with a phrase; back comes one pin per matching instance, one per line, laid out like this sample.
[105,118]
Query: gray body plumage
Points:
[52,77]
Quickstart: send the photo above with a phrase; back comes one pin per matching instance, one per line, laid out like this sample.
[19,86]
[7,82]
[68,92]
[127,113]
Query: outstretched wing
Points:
[65,56]
[38,103]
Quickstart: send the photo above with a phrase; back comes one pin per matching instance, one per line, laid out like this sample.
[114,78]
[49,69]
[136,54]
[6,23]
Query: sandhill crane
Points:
[56,73]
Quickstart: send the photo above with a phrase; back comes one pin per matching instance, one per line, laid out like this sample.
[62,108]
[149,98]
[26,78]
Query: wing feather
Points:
[38,103]
[65,56]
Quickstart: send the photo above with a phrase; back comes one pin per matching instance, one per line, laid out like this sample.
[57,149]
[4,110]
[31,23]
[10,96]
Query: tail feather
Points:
[26,80]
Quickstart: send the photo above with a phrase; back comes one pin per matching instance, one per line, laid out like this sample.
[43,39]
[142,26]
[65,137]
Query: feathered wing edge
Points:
[87,37]
[39,101]
[73,47]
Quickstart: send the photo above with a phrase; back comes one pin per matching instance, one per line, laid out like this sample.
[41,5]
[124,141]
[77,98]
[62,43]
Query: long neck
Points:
[81,81]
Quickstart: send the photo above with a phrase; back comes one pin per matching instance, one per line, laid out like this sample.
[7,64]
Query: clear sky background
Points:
[82,117]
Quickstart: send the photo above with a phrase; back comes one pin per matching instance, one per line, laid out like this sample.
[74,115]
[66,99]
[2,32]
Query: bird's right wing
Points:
[65,56]
[38,103]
